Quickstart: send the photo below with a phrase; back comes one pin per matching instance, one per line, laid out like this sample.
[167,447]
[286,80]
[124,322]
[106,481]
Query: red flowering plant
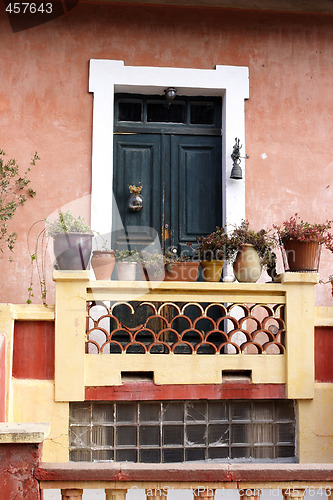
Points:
[298,230]
[215,246]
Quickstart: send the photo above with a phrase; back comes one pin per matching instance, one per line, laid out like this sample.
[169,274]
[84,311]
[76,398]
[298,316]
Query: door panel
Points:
[181,178]
[137,158]
[196,206]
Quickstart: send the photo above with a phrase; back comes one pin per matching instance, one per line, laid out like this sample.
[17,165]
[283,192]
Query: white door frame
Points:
[108,76]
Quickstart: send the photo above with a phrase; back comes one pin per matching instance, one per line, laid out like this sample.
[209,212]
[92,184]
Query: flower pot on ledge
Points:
[181,271]
[103,262]
[301,256]
[127,271]
[212,270]
[72,250]
[247,266]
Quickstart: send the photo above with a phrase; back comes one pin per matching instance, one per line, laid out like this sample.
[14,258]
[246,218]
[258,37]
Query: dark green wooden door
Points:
[137,159]
[195,188]
[181,178]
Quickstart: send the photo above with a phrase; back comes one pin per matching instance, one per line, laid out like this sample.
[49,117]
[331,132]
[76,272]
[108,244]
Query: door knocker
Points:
[135,201]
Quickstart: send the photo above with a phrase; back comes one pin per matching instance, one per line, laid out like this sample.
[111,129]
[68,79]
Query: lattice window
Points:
[178,431]
[185,328]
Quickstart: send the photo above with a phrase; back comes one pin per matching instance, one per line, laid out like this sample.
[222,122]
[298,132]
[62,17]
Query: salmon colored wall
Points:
[45,105]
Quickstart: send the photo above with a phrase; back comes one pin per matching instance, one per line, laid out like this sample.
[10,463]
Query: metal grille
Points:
[185,328]
[182,431]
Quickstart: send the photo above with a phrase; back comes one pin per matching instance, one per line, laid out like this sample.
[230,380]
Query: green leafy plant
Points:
[127,255]
[171,258]
[14,192]
[262,240]
[67,223]
[296,229]
[215,246]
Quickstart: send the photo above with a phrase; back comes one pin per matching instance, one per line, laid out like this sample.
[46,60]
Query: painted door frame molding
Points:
[108,76]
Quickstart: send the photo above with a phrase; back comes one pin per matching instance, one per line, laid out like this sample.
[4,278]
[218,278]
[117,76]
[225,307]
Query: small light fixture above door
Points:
[170,94]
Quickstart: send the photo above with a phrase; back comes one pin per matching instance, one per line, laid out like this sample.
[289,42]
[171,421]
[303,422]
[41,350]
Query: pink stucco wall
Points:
[45,105]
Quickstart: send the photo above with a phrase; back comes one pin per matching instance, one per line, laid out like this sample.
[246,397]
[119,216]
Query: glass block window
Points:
[182,431]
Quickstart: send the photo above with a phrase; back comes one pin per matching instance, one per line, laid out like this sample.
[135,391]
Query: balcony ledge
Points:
[185,474]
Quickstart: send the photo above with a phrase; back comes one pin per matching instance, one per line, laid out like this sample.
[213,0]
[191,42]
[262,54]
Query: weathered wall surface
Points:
[18,462]
[45,106]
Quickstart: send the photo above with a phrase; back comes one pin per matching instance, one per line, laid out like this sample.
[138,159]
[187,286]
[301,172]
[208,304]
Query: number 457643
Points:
[28,8]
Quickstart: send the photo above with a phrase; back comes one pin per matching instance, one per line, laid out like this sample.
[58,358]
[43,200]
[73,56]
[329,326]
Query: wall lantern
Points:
[236,171]
[135,201]
[170,94]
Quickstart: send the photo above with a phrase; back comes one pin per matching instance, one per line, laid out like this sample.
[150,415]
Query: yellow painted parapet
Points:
[8,314]
[74,369]
[300,334]
[323,316]
[70,326]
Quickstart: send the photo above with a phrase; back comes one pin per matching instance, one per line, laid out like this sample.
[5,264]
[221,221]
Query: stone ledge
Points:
[12,433]
[124,473]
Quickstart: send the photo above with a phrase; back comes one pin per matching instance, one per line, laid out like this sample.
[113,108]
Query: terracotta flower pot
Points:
[103,262]
[301,255]
[127,271]
[247,266]
[212,269]
[182,271]
[72,250]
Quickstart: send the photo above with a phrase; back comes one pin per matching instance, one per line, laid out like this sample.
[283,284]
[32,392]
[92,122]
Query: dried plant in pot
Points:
[253,250]
[213,251]
[127,262]
[152,266]
[180,268]
[301,243]
[72,244]
[72,241]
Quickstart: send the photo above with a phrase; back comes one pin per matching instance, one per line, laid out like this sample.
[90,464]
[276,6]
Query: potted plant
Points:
[213,250]
[152,266]
[254,250]
[103,263]
[301,243]
[127,261]
[72,241]
[180,268]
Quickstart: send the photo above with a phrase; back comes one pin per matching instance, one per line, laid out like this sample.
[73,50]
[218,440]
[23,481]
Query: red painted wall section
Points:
[2,377]
[323,354]
[33,350]
[147,391]
[18,462]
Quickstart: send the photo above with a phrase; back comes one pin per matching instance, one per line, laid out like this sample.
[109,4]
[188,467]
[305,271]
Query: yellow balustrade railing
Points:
[293,365]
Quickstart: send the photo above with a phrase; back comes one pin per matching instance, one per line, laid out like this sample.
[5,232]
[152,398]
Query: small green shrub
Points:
[14,192]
